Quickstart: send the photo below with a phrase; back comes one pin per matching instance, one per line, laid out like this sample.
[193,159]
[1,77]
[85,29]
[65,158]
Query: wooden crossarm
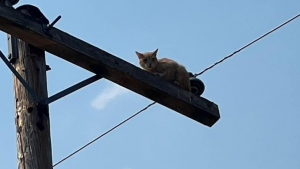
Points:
[107,65]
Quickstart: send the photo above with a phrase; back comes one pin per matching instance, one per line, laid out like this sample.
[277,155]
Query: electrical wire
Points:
[197,74]
[124,121]
[220,61]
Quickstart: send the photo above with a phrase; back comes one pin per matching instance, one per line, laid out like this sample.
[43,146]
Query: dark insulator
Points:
[34,12]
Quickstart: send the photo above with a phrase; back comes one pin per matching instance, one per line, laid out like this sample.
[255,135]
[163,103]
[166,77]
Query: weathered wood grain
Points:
[109,66]
[31,119]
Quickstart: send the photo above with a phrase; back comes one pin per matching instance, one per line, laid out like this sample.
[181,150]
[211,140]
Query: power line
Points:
[220,61]
[197,74]
[104,134]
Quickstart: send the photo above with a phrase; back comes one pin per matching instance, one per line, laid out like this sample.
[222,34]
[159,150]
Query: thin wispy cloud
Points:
[107,96]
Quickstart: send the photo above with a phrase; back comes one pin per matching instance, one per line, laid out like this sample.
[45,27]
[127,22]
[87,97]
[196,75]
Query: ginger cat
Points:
[166,68]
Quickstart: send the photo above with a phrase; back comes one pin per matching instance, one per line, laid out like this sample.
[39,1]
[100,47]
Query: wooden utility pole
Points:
[32,112]
[31,115]
[32,118]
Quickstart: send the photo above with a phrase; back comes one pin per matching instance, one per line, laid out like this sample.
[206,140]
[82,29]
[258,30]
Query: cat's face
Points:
[148,60]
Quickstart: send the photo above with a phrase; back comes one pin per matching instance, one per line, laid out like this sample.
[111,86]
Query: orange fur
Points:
[166,68]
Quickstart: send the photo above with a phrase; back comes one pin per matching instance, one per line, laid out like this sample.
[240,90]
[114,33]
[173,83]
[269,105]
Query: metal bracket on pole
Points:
[12,48]
[71,89]
[28,88]
[12,41]
[55,96]
[13,55]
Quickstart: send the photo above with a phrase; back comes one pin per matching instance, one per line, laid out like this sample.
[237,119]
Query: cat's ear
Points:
[141,56]
[155,52]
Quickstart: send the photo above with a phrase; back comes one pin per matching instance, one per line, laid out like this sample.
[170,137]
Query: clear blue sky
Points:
[258,90]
